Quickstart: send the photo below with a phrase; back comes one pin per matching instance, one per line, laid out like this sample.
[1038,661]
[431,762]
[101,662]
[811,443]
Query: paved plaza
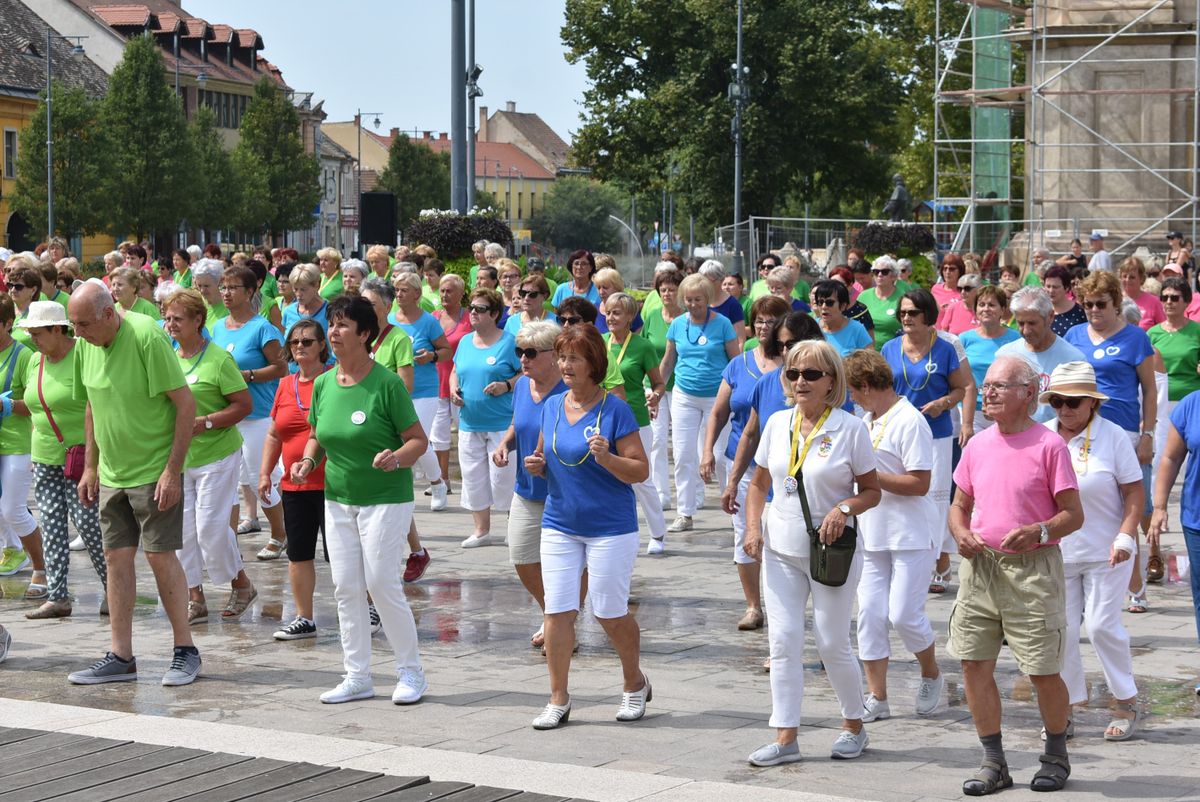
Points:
[257,696]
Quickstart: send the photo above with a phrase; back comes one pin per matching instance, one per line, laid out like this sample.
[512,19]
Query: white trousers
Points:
[208,541]
[739,518]
[445,416]
[892,590]
[722,468]
[939,490]
[647,493]
[660,428]
[16,477]
[787,586]
[366,547]
[1096,596]
[254,437]
[427,463]
[609,562]
[689,416]
[484,486]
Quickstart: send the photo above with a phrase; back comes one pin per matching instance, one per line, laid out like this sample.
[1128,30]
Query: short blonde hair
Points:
[604,260]
[507,265]
[190,301]
[377,250]
[610,278]
[782,276]
[539,334]
[425,250]
[822,356]
[130,275]
[696,283]
[306,274]
[626,303]
[453,280]
[330,253]
[411,280]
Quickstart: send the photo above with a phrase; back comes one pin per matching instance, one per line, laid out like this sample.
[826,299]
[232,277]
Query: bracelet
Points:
[310,459]
[507,383]
[251,376]
[435,356]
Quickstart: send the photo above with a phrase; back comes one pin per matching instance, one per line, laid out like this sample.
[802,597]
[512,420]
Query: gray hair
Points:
[194,251]
[903,264]
[625,301]
[712,270]
[113,256]
[663,267]
[884,262]
[971,280]
[307,274]
[356,265]
[404,267]
[493,250]
[1032,299]
[385,291]
[97,295]
[1131,312]
[209,268]
[479,245]
[540,334]
[1026,373]
[165,290]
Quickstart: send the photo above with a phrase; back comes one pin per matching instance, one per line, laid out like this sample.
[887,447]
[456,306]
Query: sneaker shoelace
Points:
[104,661]
[179,661]
[926,689]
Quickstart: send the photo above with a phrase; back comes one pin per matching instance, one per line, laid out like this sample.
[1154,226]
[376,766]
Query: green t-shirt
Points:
[431,296]
[652,304]
[126,384]
[425,303]
[396,349]
[801,290]
[144,307]
[746,304]
[61,298]
[15,430]
[884,313]
[1180,352]
[353,424]
[215,313]
[472,277]
[759,288]
[750,345]
[331,286]
[637,361]
[1032,280]
[183,279]
[654,330]
[270,288]
[57,380]
[212,376]
[22,336]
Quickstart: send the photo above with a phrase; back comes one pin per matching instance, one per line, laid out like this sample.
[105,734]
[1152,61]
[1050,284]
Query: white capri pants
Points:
[16,477]
[939,490]
[787,586]
[689,416]
[208,542]
[893,590]
[739,518]
[484,486]
[1095,596]
[647,493]
[427,463]
[445,416]
[660,428]
[366,548]
[254,437]
[609,562]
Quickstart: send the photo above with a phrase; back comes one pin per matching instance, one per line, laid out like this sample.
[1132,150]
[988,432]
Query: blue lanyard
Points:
[296,390]
[688,332]
[197,362]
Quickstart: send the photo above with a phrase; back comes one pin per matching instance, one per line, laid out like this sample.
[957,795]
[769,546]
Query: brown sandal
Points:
[197,612]
[1154,568]
[240,600]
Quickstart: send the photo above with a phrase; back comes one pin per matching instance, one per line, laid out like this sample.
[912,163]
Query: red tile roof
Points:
[167,23]
[124,16]
[248,37]
[493,158]
[196,28]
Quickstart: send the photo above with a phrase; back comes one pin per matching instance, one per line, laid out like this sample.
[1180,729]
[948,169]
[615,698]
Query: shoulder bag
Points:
[75,458]
[829,563]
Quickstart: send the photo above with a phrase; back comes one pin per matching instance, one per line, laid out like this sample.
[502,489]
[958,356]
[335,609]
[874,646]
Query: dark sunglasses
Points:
[809,374]
[16,287]
[1171,297]
[1058,402]
[884,272]
[529,293]
[1095,304]
[825,302]
[908,312]
[303,342]
[569,320]
[481,310]
[530,353]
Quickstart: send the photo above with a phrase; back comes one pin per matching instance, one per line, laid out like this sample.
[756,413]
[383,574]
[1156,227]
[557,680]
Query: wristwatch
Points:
[1044,538]
[208,424]
[845,508]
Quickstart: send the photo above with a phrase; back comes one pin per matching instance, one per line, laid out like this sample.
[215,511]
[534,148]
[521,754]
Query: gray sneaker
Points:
[185,667]
[108,668]
[929,694]
[848,745]
[5,642]
[875,709]
[774,754]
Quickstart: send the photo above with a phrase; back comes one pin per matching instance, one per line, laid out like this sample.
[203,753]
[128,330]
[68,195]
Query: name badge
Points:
[491,360]
[192,378]
[790,485]
[230,348]
[891,311]
[703,340]
[358,417]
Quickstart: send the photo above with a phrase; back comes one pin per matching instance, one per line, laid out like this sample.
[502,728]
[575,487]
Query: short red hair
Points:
[585,340]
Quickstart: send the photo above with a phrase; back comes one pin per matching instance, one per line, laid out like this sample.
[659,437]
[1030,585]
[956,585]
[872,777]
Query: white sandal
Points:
[272,551]
[553,716]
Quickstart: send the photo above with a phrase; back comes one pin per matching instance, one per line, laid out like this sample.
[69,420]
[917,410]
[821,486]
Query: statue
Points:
[898,206]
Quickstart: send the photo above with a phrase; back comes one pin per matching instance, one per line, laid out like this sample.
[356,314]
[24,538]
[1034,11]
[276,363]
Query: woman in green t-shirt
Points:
[125,283]
[654,329]
[23,545]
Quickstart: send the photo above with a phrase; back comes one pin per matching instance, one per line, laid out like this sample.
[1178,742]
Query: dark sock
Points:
[993,748]
[1056,744]
[187,650]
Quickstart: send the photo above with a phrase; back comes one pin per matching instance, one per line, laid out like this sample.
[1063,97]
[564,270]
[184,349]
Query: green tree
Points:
[575,214]
[215,196]
[418,177]
[271,155]
[78,157]
[149,171]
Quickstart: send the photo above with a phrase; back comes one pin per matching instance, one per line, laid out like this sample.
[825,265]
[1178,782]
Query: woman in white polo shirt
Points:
[1096,558]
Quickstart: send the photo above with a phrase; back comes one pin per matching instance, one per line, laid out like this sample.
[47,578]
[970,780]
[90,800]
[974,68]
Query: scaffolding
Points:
[1054,119]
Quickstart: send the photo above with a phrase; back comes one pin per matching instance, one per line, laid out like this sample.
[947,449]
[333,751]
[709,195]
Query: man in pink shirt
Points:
[1017,496]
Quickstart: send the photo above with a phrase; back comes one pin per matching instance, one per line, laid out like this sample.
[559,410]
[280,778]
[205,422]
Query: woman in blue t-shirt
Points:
[722,302]
[591,455]
[832,299]
[981,343]
[583,266]
[699,346]
[309,305]
[481,384]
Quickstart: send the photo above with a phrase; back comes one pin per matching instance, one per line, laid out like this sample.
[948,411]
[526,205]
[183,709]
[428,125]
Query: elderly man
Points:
[1101,259]
[1017,496]
[139,420]
[1033,311]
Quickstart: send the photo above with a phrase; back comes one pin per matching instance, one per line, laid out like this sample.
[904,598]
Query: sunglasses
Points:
[303,342]
[1058,402]
[908,312]
[481,310]
[16,287]
[881,272]
[530,353]
[1171,297]
[825,302]
[808,374]
[1095,304]
[570,321]
[529,293]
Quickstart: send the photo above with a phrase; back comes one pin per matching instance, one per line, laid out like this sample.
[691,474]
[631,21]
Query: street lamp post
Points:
[473,91]
[358,170]
[76,51]
[739,93]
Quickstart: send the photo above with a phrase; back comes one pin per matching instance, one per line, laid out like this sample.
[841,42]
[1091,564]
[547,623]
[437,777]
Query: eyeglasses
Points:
[231,287]
[997,387]
[1058,402]
[531,353]
[765,322]
[302,342]
[529,293]
[808,374]
[1095,304]
[908,312]
[825,302]
[16,287]
[480,310]
[1171,297]
[570,320]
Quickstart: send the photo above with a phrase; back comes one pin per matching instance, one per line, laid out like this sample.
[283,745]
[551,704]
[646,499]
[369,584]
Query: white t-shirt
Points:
[1110,462]
[1100,260]
[905,443]
[840,451]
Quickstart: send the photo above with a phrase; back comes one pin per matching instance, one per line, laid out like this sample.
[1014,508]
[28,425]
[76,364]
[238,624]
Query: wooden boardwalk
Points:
[63,767]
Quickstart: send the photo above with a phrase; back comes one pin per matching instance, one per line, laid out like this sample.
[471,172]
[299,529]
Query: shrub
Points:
[452,234]
[902,239]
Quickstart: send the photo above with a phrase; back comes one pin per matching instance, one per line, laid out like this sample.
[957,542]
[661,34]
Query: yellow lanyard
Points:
[1082,458]
[624,346]
[798,453]
[326,281]
[882,425]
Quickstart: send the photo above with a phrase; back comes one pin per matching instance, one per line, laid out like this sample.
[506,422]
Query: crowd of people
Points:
[861,429]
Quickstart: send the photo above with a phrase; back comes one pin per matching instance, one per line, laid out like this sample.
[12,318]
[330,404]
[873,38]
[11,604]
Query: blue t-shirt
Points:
[802,306]
[425,377]
[476,368]
[700,353]
[527,426]
[246,345]
[742,375]
[1186,420]
[981,353]
[924,380]
[731,308]
[1045,362]
[584,499]
[291,316]
[766,399]
[513,324]
[567,290]
[852,337]
[1116,361]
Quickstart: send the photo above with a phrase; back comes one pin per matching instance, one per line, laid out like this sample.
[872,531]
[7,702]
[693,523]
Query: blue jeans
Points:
[1191,538]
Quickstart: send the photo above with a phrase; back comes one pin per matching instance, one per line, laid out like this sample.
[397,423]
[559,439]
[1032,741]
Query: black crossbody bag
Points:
[829,563]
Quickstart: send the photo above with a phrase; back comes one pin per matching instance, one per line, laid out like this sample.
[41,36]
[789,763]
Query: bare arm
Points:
[1145,445]
[88,488]
[910,483]
[756,501]
[276,365]
[1068,519]
[969,543]
[741,461]
[1169,466]
[169,489]
[716,422]
[240,405]
[629,464]
[667,367]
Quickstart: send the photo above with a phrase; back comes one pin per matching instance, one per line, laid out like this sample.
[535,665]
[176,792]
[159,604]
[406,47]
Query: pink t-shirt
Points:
[1017,476]
[1152,311]
[1193,310]
[957,317]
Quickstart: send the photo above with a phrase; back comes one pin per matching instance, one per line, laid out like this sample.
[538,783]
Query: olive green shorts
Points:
[129,516]
[1019,598]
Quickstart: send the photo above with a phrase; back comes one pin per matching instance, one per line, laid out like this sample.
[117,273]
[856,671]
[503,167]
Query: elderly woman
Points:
[24,286]
[210,475]
[329,261]
[489,256]
[816,490]
[722,302]
[781,282]
[126,284]
[657,324]
[582,266]
[1133,275]
[58,420]
[21,537]
[430,347]
[899,542]
[1096,560]
[379,261]
[959,314]
[591,456]
[541,381]
[206,280]
[763,318]
[305,281]
[926,370]
[354,272]
[112,260]
[990,307]
[883,299]
[69,272]
[699,346]
[532,295]
[1067,313]
[832,299]
[365,425]
[456,324]
[857,310]
[508,276]
[181,264]
[481,383]
[609,282]
[946,290]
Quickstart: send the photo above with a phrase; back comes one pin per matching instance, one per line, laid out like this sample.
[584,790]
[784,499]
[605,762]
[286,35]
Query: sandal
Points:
[197,612]
[1125,727]
[248,526]
[272,551]
[1137,602]
[1053,774]
[240,600]
[937,584]
[37,591]
[990,778]
[59,608]
[1154,569]
[1070,730]
[538,639]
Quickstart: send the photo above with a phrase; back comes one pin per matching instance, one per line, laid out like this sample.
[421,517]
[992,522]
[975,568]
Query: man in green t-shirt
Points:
[139,420]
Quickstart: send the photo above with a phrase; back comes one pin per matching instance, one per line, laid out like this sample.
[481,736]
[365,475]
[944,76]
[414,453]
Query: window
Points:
[10,153]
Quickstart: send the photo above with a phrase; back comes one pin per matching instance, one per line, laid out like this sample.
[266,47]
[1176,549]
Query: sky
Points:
[393,56]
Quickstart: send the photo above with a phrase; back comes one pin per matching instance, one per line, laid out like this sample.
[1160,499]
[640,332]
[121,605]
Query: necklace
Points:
[296,389]
[928,366]
[701,339]
[196,361]
[577,405]
[798,453]
[588,431]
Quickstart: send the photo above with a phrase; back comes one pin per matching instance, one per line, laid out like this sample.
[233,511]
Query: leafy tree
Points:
[284,185]
[78,157]
[215,196]
[418,177]
[148,176]
[575,214]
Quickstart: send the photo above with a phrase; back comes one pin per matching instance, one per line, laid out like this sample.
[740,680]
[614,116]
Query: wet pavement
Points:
[711,696]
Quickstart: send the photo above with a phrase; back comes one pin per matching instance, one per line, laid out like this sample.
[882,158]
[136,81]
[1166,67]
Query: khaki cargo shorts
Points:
[130,515]
[1020,598]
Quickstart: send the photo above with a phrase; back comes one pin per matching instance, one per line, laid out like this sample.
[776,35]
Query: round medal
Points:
[491,360]
[891,311]
[703,340]
[358,417]
[229,348]
[192,378]
[790,485]
[1098,353]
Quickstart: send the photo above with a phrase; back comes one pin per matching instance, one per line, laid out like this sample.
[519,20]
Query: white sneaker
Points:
[655,546]
[681,524]
[438,502]
[475,541]
[348,691]
[410,686]
[875,709]
[77,544]
[929,694]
